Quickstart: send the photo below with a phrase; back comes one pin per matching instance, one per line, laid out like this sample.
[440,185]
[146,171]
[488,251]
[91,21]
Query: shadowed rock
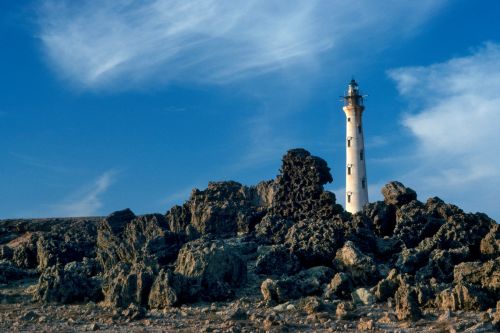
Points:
[397,194]
[123,237]
[73,283]
[277,260]
[360,267]
[306,283]
[213,269]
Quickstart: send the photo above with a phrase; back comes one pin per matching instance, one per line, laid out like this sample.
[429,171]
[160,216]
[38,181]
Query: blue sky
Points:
[113,104]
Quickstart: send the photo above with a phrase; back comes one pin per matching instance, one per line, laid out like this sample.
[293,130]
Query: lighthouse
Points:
[356,182]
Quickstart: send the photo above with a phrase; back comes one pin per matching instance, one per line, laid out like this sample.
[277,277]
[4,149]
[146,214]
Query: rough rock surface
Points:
[127,284]
[124,237]
[279,256]
[277,260]
[212,267]
[340,286]
[463,297]
[166,291]
[223,209]
[406,303]
[397,194]
[358,266]
[306,283]
[75,282]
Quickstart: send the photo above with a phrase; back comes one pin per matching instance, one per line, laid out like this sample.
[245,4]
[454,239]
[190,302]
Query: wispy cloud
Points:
[101,43]
[456,124]
[88,200]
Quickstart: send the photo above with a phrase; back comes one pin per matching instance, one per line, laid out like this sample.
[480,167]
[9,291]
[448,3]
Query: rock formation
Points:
[279,242]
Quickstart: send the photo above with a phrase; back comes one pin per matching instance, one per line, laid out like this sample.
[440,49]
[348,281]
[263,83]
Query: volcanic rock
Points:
[10,272]
[213,268]
[272,229]
[66,244]
[225,208]
[24,248]
[127,284]
[441,262]
[484,275]
[73,283]
[166,291]
[315,242]
[340,286]
[406,303]
[463,297]
[360,267]
[123,237]
[308,282]
[397,194]
[387,287]
[277,260]
[383,217]
[490,244]
[299,188]
[6,253]
[413,224]
[362,296]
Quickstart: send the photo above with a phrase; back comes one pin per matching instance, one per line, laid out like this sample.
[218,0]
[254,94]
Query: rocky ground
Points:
[280,256]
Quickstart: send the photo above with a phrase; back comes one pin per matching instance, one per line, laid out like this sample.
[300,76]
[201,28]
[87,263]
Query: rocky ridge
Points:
[278,256]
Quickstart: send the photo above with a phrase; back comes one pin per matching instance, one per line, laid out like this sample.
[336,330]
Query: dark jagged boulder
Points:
[437,208]
[109,237]
[360,267]
[463,297]
[179,219]
[75,282]
[490,244]
[149,240]
[223,208]
[6,252]
[277,260]
[397,194]
[413,224]
[383,217]
[340,286]
[406,303]
[123,237]
[483,275]
[168,289]
[308,282]
[458,231]
[65,244]
[213,269]
[440,264]
[387,287]
[127,284]
[299,190]
[10,272]
[24,250]
[266,192]
[272,229]
[315,242]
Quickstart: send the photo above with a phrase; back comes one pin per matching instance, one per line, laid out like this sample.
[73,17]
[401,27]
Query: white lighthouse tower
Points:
[356,183]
